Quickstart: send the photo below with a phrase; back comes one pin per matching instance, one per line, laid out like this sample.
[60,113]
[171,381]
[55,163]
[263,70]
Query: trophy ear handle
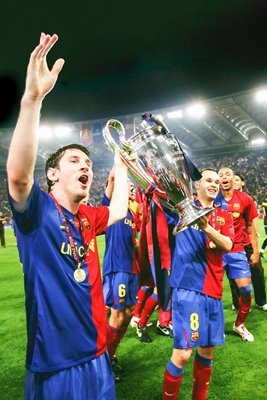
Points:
[118,126]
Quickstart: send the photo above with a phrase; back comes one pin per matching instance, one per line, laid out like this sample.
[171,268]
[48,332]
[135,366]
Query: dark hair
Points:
[240,176]
[54,158]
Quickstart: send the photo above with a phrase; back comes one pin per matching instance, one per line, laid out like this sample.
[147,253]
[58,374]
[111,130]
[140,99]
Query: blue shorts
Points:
[90,381]
[197,319]
[120,290]
[236,265]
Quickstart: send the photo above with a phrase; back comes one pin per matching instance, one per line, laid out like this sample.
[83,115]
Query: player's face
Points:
[74,174]
[131,191]
[226,176]
[237,183]
[208,186]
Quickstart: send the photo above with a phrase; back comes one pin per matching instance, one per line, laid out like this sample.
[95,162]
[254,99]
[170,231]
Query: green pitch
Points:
[239,368]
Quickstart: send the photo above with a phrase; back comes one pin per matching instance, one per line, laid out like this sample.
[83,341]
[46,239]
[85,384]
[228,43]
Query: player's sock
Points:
[164,317]
[123,330]
[202,373]
[150,306]
[172,381]
[113,340]
[244,305]
[143,294]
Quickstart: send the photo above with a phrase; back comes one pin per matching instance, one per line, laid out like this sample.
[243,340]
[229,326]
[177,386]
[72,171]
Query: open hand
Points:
[40,80]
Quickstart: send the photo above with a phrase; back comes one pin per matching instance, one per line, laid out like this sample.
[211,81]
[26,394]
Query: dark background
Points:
[127,57]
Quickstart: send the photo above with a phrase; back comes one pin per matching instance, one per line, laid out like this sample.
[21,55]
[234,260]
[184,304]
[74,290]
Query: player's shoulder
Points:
[242,196]
[220,211]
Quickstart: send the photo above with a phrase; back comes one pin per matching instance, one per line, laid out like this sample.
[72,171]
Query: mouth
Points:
[213,192]
[83,179]
[225,183]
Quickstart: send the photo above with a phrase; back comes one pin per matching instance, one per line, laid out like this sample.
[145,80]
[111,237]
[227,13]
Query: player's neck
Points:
[228,193]
[205,202]
[65,201]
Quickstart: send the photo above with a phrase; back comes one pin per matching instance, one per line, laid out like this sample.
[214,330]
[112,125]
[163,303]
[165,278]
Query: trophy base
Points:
[190,213]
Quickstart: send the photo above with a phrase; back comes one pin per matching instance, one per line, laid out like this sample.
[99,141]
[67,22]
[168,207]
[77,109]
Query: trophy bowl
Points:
[160,161]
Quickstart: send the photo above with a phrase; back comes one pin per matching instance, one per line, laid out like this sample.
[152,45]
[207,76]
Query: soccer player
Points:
[264,244]
[257,271]
[196,281]
[2,229]
[66,317]
[120,273]
[235,262]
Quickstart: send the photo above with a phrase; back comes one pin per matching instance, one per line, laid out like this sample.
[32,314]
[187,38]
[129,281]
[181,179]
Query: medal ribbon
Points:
[70,237]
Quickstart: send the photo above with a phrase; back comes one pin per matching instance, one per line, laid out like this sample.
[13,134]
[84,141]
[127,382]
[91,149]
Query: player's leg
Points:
[212,335]
[120,291]
[235,294]
[164,324]
[202,372]
[149,307]
[143,293]
[258,280]
[174,373]
[238,269]
[245,290]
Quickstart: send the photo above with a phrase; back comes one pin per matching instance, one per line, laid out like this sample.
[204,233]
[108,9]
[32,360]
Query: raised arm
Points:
[119,195]
[23,148]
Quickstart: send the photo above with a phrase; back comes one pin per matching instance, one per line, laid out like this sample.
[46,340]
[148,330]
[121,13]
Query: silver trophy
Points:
[160,162]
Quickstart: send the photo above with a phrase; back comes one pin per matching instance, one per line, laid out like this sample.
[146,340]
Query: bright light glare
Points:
[62,131]
[45,133]
[259,141]
[175,114]
[196,110]
[261,96]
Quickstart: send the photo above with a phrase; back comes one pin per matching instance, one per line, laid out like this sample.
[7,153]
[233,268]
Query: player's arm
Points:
[253,237]
[221,241]
[23,148]
[119,197]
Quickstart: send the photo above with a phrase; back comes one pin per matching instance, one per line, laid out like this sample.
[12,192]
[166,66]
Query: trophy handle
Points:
[118,126]
[135,168]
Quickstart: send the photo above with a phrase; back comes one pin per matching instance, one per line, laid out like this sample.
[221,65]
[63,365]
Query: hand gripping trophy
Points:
[160,162]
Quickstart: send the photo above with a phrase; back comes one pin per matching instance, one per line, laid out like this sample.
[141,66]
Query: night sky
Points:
[127,57]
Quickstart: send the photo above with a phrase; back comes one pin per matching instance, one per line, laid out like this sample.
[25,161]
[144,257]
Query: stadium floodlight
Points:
[62,131]
[261,96]
[258,142]
[45,133]
[175,114]
[196,110]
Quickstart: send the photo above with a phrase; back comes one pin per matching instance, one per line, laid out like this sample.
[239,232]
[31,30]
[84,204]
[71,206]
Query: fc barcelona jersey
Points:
[243,210]
[196,264]
[65,318]
[120,252]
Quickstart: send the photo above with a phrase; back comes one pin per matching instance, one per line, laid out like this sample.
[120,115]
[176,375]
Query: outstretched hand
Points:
[40,80]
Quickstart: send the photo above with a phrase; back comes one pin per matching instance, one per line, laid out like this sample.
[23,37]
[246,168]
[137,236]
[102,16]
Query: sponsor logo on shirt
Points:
[66,248]
[236,214]
[129,222]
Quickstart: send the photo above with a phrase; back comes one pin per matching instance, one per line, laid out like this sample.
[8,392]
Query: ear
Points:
[52,174]
[196,184]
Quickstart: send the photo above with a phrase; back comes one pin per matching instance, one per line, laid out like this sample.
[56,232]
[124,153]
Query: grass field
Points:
[238,368]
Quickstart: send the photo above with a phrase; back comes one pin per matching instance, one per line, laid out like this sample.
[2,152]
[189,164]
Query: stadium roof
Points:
[232,123]
[144,58]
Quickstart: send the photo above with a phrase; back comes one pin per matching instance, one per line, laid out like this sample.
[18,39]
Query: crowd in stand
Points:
[252,165]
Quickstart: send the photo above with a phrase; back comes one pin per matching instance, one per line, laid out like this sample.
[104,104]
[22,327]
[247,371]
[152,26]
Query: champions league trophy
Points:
[161,164]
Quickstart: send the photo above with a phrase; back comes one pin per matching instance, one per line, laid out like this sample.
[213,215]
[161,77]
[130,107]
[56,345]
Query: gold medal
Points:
[79,275]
